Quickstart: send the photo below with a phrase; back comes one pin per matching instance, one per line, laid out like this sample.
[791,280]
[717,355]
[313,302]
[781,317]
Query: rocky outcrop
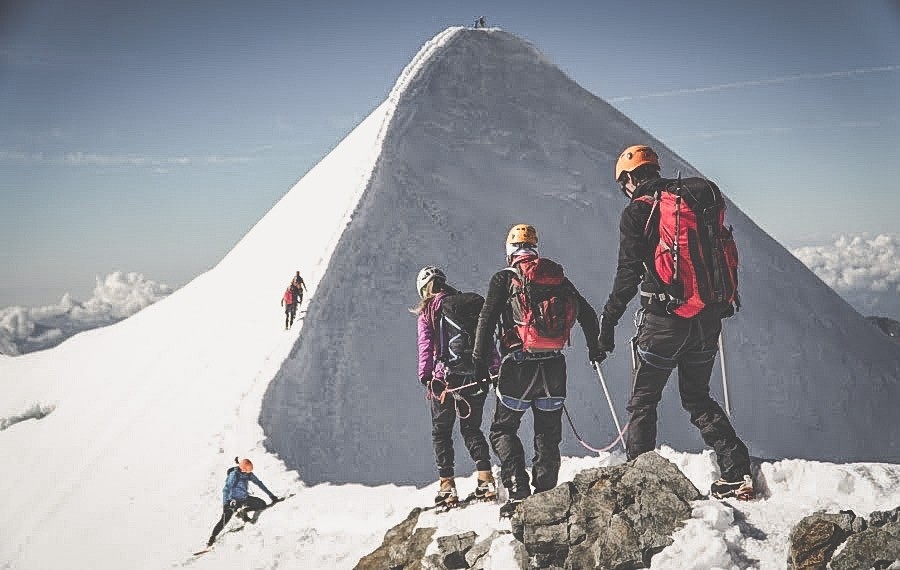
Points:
[888,326]
[867,543]
[403,547]
[608,517]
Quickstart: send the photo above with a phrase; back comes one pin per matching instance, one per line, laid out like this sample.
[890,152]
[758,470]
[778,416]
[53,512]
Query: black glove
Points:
[606,342]
[425,380]
[232,504]
[728,312]
[486,381]
[596,356]
[482,375]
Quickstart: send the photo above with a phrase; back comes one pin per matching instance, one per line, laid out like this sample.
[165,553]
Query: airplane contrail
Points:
[759,82]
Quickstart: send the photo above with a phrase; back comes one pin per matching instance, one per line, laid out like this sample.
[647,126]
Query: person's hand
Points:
[596,356]
[728,312]
[424,380]
[482,374]
[606,341]
[486,382]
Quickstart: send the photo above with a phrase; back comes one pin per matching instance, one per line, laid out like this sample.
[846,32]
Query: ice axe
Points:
[612,409]
[724,376]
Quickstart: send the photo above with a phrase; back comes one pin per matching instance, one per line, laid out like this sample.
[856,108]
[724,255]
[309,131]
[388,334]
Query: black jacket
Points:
[497,301]
[634,249]
[637,243]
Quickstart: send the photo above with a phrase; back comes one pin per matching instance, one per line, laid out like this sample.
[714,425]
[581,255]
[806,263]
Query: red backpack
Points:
[543,306]
[288,297]
[695,260]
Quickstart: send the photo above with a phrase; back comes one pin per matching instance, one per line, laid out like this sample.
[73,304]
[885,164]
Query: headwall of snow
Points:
[485,132]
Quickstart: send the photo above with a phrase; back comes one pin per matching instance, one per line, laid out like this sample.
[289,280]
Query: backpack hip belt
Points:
[545,403]
[521,355]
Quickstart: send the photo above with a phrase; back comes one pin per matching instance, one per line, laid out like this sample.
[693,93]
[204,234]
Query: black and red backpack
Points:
[543,307]
[695,260]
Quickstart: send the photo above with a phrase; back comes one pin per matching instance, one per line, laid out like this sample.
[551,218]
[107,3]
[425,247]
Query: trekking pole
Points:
[612,409]
[724,376]
[634,355]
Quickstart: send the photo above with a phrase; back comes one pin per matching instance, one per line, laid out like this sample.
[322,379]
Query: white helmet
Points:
[426,275]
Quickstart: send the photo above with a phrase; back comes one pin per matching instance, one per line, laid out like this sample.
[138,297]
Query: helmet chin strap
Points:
[626,178]
[520,252]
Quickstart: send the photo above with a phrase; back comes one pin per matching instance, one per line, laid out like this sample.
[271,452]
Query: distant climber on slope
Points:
[236,497]
[290,307]
[298,286]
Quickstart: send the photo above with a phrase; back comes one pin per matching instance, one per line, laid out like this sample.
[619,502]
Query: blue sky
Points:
[150,137]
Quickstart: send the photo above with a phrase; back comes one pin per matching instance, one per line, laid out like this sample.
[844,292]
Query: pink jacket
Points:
[429,341]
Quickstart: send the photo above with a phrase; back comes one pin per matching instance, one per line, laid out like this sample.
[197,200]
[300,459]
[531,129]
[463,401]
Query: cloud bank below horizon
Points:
[865,271]
[116,296]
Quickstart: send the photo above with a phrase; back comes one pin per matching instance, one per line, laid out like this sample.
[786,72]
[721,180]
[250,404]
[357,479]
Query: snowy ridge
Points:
[419,63]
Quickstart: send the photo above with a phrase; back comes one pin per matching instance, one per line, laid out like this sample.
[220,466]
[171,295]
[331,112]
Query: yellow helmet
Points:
[633,157]
[522,233]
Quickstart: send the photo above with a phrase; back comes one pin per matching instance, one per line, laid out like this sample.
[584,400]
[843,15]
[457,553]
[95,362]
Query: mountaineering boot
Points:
[518,490]
[509,508]
[741,490]
[447,494]
[486,488]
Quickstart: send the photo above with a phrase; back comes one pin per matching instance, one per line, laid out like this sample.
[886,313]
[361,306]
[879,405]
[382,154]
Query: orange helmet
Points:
[633,157]
[245,465]
[522,233]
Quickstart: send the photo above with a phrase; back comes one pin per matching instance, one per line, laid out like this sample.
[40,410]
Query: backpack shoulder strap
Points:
[517,273]
[653,201]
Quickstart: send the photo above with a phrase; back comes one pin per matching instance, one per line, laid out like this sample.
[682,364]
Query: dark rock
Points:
[888,326]
[608,517]
[876,547]
[475,555]
[814,539]
[451,554]
[402,549]
[881,518]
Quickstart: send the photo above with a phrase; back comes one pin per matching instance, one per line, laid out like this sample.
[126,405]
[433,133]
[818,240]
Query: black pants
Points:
[515,377]
[250,503]
[443,416]
[667,342]
[290,311]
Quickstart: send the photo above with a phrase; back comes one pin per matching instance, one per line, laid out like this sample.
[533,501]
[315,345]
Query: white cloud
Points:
[864,271]
[116,296]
